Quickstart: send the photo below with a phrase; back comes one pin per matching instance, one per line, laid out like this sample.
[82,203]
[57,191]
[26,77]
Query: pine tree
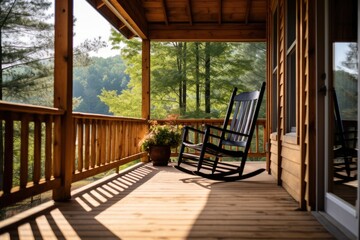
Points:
[26,46]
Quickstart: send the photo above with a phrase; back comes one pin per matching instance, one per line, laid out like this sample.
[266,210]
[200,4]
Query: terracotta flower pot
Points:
[160,155]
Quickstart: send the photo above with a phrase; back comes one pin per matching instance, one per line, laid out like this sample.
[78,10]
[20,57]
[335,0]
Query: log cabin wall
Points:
[291,148]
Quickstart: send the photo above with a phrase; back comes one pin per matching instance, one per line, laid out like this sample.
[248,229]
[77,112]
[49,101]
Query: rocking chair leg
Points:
[347,166]
[182,148]
[201,159]
[215,164]
[242,165]
[202,153]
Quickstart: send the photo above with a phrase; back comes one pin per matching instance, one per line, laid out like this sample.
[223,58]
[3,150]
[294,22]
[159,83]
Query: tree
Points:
[27,51]
[128,103]
[104,74]
[26,46]
[207,77]
[184,73]
[197,76]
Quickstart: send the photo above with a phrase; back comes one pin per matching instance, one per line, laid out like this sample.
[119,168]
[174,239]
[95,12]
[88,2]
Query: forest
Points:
[188,79]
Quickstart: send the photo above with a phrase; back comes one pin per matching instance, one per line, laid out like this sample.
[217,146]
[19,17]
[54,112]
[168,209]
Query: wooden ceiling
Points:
[187,20]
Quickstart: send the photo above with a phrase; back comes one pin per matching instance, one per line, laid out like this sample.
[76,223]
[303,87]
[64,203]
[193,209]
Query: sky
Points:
[90,24]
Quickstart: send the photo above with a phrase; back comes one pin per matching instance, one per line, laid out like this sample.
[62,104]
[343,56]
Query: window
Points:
[274,94]
[290,66]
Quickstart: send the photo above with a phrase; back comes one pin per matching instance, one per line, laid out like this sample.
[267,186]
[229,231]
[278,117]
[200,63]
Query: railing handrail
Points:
[27,108]
[94,116]
[261,121]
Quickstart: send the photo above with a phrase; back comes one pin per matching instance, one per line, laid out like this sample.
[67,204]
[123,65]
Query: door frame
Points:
[331,206]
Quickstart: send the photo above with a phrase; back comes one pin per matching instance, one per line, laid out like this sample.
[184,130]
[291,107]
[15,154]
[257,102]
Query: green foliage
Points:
[179,72]
[128,103]
[102,75]
[27,37]
[27,51]
[161,135]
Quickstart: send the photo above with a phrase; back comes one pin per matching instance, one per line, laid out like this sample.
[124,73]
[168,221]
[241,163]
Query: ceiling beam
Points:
[203,32]
[220,11]
[164,8]
[131,14]
[189,11]
[111,18]
[99,4]
[247,13]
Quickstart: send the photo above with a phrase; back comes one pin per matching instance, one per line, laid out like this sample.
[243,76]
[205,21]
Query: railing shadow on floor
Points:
[70,219]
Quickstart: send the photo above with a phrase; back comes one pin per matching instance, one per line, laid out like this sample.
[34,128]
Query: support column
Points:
[146,79]
[64,130]
[145,83]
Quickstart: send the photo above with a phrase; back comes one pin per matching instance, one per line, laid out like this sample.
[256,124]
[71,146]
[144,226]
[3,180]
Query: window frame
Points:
[274,71]
[291,68]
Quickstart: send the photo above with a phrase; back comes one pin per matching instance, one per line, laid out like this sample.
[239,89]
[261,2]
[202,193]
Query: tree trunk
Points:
[179,68]
[197,76]
[183,110]
[207,77]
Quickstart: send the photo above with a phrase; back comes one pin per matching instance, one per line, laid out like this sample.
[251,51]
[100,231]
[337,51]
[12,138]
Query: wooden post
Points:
[64,149]
[146,79]
[145,83]
[268,123]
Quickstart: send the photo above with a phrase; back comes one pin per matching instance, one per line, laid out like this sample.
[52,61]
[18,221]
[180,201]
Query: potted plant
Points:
[159,141]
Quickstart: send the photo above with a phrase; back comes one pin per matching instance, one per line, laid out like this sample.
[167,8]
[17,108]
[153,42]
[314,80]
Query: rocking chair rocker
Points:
[231,140]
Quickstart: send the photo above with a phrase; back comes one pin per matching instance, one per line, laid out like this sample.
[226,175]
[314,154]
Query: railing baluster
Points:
[80,137]
[93,143]
[57,147]
[87,144]
[48,147]
[24,152]
[8,154]
[37,151]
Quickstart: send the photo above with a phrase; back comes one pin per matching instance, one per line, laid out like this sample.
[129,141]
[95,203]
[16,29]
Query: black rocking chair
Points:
[345,146]
[230,140]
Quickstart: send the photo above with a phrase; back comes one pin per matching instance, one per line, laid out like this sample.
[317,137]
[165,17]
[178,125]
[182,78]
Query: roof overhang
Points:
[187,20]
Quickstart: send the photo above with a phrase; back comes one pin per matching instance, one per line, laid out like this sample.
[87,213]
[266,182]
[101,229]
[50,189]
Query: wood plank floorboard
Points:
[163,203]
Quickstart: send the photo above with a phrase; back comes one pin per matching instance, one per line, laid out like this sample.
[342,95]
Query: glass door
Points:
[341,197]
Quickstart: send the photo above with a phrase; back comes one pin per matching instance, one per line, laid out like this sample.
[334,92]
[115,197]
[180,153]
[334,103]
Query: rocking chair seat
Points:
[231,140]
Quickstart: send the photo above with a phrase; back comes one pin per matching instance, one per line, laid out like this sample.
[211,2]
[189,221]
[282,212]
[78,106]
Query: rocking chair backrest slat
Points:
[245,110]
[229,109]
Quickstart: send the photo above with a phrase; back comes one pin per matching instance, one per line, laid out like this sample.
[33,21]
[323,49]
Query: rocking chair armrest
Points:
[194,129]
[226,131]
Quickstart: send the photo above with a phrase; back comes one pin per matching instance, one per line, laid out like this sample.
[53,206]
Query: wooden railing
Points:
[30,137]
[105,142]
[30,140]
[30,153]
[258,145]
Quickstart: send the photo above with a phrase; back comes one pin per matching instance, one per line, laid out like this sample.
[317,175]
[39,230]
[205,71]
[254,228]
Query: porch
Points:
[147,202]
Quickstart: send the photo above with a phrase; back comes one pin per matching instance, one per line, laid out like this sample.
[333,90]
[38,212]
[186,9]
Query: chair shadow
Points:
[255,208]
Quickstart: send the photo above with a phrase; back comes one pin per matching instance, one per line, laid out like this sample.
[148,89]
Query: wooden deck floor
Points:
[163,203]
